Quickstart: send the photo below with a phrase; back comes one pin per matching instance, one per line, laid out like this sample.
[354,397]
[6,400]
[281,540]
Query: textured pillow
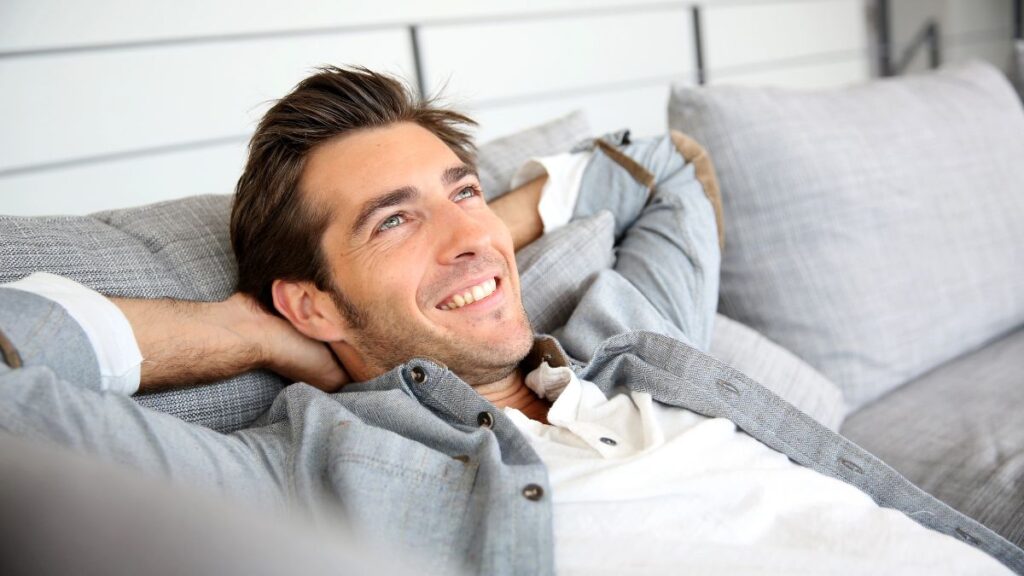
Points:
[778,370]
[555,269]
[176,249]
[180,249]
[875,230]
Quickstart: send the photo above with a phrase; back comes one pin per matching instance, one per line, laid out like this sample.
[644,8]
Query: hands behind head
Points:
[282,349]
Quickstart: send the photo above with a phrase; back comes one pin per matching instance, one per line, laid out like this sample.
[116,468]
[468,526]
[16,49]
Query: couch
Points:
[871,269]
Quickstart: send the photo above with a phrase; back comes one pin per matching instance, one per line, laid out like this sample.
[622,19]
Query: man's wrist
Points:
[518,210]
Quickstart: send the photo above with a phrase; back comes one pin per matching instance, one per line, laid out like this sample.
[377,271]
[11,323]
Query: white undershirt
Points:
[106,327]
[644,488]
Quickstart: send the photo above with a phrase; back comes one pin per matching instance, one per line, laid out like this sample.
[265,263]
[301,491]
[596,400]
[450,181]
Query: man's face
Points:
[416,250]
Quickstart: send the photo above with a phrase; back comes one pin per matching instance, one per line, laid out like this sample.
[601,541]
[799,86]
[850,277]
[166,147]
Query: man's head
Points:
[359,218]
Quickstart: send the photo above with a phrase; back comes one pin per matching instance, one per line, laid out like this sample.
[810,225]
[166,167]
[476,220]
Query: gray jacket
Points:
[416,457]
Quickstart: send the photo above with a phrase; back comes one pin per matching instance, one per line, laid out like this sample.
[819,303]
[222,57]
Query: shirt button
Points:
[418,375]
[533,492]
[462,458]
[609,441]
[485,419]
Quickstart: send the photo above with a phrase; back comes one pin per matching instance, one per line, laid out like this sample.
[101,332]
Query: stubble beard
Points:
[386,342]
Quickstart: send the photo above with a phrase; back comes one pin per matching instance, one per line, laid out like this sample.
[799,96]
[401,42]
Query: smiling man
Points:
[372,271]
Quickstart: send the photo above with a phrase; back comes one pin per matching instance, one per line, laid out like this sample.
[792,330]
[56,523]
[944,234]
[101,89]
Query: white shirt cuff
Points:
[107,328]
[558,197]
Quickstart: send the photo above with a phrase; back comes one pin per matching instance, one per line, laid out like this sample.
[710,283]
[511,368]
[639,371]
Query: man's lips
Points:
[479,290]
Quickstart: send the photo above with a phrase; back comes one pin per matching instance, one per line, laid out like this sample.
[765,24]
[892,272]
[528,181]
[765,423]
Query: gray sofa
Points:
[876,232]
[792,316]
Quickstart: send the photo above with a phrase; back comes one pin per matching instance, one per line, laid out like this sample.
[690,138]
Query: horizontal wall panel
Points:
[641,109]
[118,184]
[47,24]
[68,106]
[745,34]
[544,57]
[819,75]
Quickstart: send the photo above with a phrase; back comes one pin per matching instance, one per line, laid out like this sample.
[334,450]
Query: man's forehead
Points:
[370,161]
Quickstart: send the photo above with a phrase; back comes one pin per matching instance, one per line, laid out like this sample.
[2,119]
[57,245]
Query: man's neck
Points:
[512,392]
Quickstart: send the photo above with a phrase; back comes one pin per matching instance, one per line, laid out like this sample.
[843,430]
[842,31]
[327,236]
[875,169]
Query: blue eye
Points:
[391,222]
[467,192]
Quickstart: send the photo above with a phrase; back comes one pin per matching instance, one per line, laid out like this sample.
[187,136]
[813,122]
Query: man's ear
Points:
[310,310]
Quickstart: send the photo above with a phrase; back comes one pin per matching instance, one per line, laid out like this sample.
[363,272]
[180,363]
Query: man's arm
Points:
[200,342]
[665,278]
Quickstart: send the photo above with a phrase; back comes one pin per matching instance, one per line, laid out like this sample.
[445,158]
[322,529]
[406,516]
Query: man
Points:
[362,236]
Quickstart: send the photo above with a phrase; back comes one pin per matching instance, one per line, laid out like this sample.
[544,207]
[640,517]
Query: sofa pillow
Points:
[873,230]
[555,269]
[778,370]
[180,249]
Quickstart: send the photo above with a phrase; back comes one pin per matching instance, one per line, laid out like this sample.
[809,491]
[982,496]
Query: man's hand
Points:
[185,343]
[285,350]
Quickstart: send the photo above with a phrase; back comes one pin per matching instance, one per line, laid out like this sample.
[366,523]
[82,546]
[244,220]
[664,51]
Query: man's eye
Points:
[467,192]
[391,222]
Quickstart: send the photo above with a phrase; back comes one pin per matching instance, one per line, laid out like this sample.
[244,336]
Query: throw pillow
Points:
[873,230]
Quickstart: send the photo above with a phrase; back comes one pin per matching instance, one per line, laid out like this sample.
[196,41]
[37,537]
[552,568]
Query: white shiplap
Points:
[544,57]
[641,109]
[61,107]
[755,35]
[805,76]
[125,182]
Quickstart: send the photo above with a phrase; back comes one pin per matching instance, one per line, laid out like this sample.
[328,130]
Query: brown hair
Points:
[275,233]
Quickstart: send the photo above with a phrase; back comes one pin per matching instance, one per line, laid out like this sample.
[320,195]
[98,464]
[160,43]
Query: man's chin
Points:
[484,364]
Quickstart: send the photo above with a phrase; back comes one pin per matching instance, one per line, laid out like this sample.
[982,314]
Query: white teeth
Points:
[478,292]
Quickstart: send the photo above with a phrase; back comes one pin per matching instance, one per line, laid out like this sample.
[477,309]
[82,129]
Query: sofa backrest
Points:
[873,230]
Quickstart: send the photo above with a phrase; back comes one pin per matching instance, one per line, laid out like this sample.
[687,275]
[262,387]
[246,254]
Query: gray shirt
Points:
[416,457]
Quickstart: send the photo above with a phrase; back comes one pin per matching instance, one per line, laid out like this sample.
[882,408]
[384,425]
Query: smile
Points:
[471,294]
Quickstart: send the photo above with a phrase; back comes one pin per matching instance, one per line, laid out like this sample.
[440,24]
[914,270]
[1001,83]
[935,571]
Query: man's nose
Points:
[464,234]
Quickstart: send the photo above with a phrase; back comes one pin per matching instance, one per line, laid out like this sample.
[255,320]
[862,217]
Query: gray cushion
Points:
[779,370]
[960,434]
[176,249]
[875,230]
[557,268]
[180,249]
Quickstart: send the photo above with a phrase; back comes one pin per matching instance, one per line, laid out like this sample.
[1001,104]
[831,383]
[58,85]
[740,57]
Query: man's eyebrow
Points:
[372,206]
[404,194]
[456,173]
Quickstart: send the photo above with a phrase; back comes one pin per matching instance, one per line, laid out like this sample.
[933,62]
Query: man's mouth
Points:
[471,294]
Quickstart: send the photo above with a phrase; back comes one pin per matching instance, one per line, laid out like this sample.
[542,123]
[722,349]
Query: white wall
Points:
[113,103]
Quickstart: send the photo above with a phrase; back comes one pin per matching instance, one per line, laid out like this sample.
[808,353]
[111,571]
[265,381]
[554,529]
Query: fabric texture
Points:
[556,269]
[177,249]
[872,230]
[779,370]
[965,441]
[697,492]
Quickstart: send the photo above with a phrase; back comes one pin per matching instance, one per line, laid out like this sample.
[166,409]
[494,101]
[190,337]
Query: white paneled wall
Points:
[114,103]
[614,65]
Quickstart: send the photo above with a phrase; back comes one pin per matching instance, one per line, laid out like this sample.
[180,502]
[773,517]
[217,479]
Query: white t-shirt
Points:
[644,488]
